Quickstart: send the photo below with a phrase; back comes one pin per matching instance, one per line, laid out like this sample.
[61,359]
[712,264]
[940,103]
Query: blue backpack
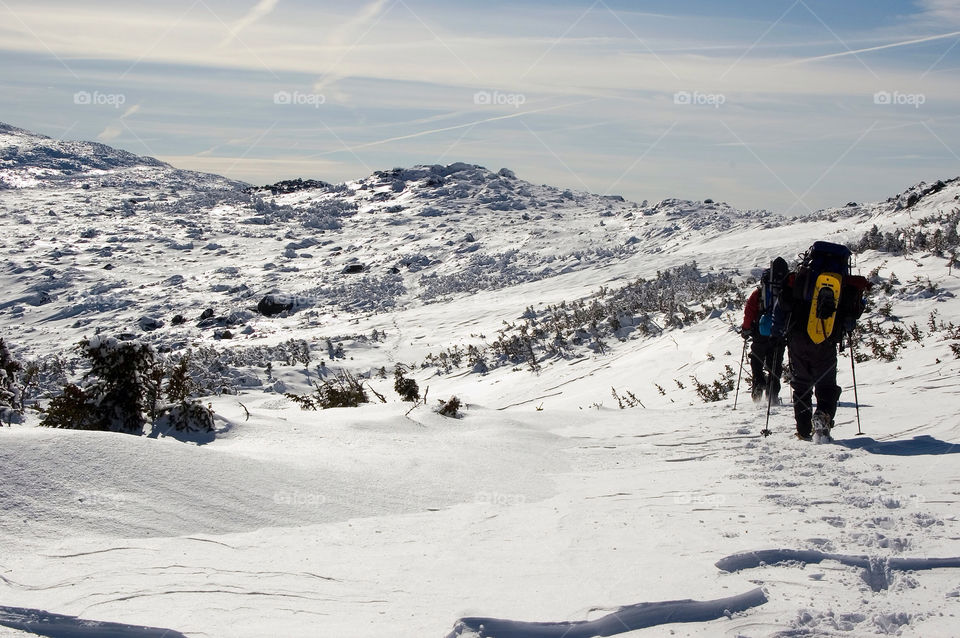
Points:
[774,308]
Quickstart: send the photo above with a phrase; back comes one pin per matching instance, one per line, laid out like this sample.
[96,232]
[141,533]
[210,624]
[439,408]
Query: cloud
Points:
[130,111]
[454,127]
[112,132]
[258,12]
[941,11]
[115,130]
[347,38]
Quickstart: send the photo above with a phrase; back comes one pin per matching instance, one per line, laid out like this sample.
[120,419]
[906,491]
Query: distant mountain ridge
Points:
[96,238]
[20,148]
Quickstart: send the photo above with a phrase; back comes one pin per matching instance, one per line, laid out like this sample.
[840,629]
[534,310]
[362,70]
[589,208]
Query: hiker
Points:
[767,345]
[826,302]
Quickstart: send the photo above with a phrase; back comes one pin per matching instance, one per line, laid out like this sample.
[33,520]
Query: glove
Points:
[746,334]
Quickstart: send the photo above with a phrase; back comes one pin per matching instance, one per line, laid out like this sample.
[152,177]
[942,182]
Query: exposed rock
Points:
[274,304]
[149,324]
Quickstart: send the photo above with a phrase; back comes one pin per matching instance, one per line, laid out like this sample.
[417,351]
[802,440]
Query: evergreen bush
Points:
[12,394]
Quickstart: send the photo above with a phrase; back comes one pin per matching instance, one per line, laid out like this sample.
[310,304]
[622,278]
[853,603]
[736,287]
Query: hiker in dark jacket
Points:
[766,353]
[813,368]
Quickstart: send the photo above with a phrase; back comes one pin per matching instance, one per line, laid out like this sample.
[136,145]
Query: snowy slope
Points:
[545,502]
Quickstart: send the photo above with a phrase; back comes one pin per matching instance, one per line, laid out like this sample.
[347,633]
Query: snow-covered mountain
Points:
[582,477]
[98,239]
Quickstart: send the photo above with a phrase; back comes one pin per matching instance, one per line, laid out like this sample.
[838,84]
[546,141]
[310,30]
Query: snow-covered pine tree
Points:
[183,413]
[406,388]
[115,392]
[11,389]
[121,373]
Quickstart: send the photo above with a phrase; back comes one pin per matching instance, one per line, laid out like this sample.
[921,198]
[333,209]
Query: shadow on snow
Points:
[44,623]
[877,571]
[628,618]
[923,445]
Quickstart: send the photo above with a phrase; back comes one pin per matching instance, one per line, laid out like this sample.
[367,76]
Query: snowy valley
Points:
[596,462]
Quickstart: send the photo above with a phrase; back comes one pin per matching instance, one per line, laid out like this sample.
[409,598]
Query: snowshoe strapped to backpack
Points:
[774,310]
[832,297]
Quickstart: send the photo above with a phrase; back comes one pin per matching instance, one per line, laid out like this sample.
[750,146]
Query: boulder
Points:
[274,304]
[149,324]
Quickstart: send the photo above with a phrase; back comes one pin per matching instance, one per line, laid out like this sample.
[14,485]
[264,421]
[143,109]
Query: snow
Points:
[545,509]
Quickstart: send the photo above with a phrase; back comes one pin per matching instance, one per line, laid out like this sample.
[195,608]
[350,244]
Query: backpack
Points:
[774,309]
[830,298]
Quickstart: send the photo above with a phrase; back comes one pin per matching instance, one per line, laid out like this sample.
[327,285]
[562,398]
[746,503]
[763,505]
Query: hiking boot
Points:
[821,426]
[804,437]
[821,421]
[757,393]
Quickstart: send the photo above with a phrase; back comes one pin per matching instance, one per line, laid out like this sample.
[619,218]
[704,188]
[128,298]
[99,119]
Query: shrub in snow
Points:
[717,390]
[342,391]
[119,388]
[12,393]
[675,298]
[406,388]
[449,408]
[368,293]
[179,384]
[73,409]
[186,416]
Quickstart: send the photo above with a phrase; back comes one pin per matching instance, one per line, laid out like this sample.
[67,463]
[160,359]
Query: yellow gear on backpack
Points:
[823,306]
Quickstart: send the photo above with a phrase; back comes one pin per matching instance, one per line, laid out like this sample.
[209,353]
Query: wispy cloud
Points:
[410,136]
[115,129]
[254,15]
[941,11]
[346,38]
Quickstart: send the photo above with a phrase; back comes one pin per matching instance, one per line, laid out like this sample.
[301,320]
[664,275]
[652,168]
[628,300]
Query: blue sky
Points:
[789,105]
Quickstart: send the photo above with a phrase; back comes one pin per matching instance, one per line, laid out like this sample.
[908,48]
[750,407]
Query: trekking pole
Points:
[776,355]
[856,399]
[743,355]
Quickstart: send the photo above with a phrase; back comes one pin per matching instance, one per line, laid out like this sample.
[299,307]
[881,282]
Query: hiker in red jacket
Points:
[766,353]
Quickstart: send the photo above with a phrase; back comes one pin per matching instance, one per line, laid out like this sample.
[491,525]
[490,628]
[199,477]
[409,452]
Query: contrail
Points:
[452,128]
[876,48]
